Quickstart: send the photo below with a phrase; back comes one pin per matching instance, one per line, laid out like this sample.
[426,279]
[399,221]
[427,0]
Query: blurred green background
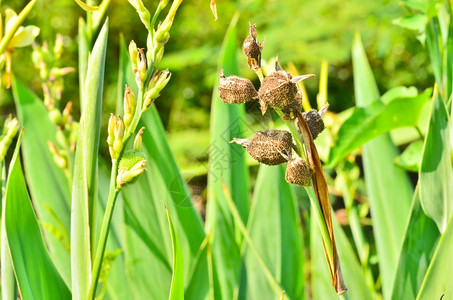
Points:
[301,32]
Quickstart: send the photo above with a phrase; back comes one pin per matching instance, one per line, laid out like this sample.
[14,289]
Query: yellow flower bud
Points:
[133,52]
[129,106]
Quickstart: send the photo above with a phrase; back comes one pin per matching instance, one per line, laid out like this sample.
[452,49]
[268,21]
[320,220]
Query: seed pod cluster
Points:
[236,90]
[314,122]
[298,172]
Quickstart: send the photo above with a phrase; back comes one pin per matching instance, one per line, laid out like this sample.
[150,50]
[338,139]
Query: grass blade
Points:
[226,166]
[31,262]
[389,189]
[84,190]
[367,123]
[274,228]
[177,280]
[437,281]
[415,256]
[436,171]
[47,183]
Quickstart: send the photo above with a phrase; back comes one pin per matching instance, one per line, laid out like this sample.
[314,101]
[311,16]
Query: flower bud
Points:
[270,147]
[140,74]
[55,116]
[156,85]
[236,90]
[298,172]
[129,106]
[58,48]
[133,54]
[111,130]
[118,142]
[59,160]
[138,140]
[314,122]
[131,165]
[67,118]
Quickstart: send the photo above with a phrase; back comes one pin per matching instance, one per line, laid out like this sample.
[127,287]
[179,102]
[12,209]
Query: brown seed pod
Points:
[277,90]
[235,90]
[271,147]
[252,49]
[298,172]
[314,122]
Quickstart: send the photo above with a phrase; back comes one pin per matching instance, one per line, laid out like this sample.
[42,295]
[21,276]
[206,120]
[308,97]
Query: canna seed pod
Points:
[252,49]
[314,122]
[298,172]
[277,90]
[236,90]
[271,147]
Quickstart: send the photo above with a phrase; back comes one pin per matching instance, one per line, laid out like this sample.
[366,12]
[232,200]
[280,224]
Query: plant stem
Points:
[295,133]
[344,296]
[100,249]
[322,225]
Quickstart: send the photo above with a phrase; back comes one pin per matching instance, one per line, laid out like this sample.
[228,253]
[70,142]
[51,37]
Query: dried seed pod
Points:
[298,172]
[271,147]
[314,122]
[235,90]
[252,49]
[277,90]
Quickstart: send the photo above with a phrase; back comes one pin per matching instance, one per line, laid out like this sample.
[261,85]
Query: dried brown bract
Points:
[235,89]
[252,49]
[298,172]
[270,147]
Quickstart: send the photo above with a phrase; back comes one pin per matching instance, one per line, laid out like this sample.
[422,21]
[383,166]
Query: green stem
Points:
[322,224]
[344,296]
[420,134]
[100,249]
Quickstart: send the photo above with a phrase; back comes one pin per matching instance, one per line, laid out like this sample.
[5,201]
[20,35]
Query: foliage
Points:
[140,233]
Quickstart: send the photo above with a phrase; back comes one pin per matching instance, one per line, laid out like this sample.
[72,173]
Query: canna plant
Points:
[128,229]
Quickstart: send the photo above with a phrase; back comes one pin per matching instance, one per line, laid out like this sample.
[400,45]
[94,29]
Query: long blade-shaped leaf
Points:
[437,281]
[47,183]
[147,237]
[177,280]
[274,228]
[436,171]
[357,286]
[389,189]
[415,255]
[84,190]
[36,274]
[226,166]
[367,123]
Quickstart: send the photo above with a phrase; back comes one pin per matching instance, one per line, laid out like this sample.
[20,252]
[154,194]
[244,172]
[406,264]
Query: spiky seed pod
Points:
[236,90]
[314,122]
[277,90]
[267,146]
[298,172]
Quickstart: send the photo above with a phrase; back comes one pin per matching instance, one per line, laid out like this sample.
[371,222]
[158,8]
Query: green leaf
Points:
[436,171]
[435,46]
[147,237]
[47,183]
[352,272]
[388,187]
[274,227]
[32,264]
[84,189]
[437,281]
[177,280]
[415,255]
[226,166]
[375,119]
[411,157]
